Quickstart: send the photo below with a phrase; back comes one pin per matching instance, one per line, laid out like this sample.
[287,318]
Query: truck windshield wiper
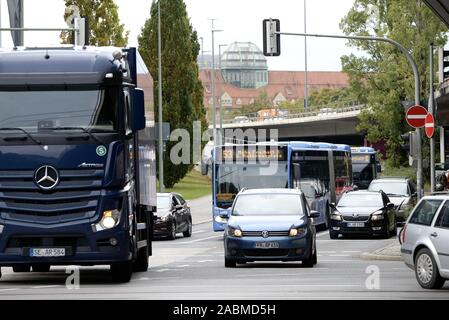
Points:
[38,142]
[79,129]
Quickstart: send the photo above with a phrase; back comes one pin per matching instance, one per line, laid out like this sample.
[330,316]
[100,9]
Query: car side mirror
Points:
[414,195]
[355,187]
[314,214]
[333,206]
[179,207]
[390,206]
[138,121]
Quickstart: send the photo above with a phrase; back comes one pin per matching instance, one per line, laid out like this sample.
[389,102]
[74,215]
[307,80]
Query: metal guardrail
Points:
[321,112]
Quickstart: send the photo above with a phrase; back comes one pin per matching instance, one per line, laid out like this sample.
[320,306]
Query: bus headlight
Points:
[109,220]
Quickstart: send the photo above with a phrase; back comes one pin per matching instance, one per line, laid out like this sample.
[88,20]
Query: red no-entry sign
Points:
[430,126]
[416,117]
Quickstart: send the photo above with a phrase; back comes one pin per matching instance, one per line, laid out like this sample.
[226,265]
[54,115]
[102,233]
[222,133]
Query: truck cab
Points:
[77,160]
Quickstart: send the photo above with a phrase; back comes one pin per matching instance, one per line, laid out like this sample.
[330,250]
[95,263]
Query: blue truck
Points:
[77,160]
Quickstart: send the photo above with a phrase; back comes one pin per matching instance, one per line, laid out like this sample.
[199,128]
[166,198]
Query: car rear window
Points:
[268,204]
[425,212]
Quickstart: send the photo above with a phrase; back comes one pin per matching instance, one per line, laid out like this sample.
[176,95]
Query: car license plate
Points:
[47,252]
[356,225]
[267,245]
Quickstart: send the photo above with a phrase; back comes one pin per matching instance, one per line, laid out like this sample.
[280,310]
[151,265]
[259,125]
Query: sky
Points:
[240,20]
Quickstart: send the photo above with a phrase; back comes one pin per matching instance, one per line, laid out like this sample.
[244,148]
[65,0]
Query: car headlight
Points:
[295,232]
[336,217]
[235,232]
[377,216]
[165,218]
[110,219]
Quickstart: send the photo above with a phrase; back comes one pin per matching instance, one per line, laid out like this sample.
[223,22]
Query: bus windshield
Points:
[231,178]
[93,110]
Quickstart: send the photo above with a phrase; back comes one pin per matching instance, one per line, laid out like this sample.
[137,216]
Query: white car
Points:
[425,241]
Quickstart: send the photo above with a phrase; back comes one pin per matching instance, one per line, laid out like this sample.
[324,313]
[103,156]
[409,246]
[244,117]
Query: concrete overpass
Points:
[328,125]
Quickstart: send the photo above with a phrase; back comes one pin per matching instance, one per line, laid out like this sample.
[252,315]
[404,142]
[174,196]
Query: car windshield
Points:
[268,205]
[163,202]
[390,188]
[361,200]
[93,110]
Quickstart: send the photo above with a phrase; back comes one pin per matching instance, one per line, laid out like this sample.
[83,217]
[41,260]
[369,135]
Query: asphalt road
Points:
[194,269]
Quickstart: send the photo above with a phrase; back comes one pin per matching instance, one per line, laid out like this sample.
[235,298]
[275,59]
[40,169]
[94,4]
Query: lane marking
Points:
[199,231]
[322,234]
[339,255]
[46,287]
[203,239]
[9,289]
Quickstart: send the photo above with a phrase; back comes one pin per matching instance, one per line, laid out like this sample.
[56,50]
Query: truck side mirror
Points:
[138,121]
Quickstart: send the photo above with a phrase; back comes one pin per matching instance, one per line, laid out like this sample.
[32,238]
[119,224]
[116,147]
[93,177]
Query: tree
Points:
[104,22]
[383,77]
[182,87]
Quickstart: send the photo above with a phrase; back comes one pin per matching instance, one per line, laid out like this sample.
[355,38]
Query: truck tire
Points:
[43,268]
[141,264]
[122,272]
[21,269]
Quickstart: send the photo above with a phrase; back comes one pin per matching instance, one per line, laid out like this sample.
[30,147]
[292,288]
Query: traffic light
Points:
[271,40]
[406,141]
[444,64]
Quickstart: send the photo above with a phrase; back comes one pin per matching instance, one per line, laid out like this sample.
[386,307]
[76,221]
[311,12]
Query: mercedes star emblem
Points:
[46,177]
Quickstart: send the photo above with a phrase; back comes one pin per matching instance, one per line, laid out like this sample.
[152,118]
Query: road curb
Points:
[379,257]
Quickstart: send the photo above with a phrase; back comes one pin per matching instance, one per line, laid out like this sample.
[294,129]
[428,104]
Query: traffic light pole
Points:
[414,66]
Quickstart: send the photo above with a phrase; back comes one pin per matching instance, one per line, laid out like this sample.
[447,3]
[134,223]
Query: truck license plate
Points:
[47,252]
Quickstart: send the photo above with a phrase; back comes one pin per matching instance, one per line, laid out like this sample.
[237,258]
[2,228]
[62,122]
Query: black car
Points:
[363,212]
[173,216]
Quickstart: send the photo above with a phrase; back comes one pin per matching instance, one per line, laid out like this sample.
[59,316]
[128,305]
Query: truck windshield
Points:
[93,110]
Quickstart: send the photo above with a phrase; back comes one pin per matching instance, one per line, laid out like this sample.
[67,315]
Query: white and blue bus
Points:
[322,171]
[365,166]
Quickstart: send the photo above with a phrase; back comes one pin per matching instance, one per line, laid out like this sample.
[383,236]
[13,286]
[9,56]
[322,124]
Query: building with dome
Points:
[242,75]
[244,66]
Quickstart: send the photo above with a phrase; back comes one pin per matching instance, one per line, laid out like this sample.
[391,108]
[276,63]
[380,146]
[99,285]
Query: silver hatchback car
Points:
[425,241]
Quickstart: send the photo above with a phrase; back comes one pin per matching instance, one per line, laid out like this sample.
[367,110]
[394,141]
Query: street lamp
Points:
[306,71]
[161,147]
[214,103]
[219,92]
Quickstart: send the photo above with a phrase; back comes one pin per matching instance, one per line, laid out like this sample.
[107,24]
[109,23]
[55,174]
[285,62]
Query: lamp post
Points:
[306,99]
[219,91]
[214,103]
[160,143]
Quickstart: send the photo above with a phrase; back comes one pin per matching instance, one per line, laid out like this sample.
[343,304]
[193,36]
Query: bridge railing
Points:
[318,112]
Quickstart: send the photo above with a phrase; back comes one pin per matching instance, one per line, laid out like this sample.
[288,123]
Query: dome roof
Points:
[243,55]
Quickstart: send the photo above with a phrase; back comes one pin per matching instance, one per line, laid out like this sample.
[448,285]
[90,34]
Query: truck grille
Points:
[75,197]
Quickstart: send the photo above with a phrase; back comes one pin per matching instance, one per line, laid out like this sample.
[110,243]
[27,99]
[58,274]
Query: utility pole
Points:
[306,97]
[220,92]
[1,43]
[432,112]
[160,142]
[214,103]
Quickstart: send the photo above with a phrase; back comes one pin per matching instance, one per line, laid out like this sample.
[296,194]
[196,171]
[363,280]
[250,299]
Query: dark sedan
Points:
[173,216]
[363,212]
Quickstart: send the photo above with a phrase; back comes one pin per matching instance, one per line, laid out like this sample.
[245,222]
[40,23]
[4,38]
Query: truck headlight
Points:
[235,232]
[378,216]
[1,229]
[109,220]
[295,232]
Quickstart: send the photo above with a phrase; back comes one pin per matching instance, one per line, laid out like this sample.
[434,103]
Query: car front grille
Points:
[352,218]
[266,252]
[270,234]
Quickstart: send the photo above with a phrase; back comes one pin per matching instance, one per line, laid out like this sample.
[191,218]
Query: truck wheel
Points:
[188,232]
[141,264]
[21,269]
[42,268]
[122,272]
